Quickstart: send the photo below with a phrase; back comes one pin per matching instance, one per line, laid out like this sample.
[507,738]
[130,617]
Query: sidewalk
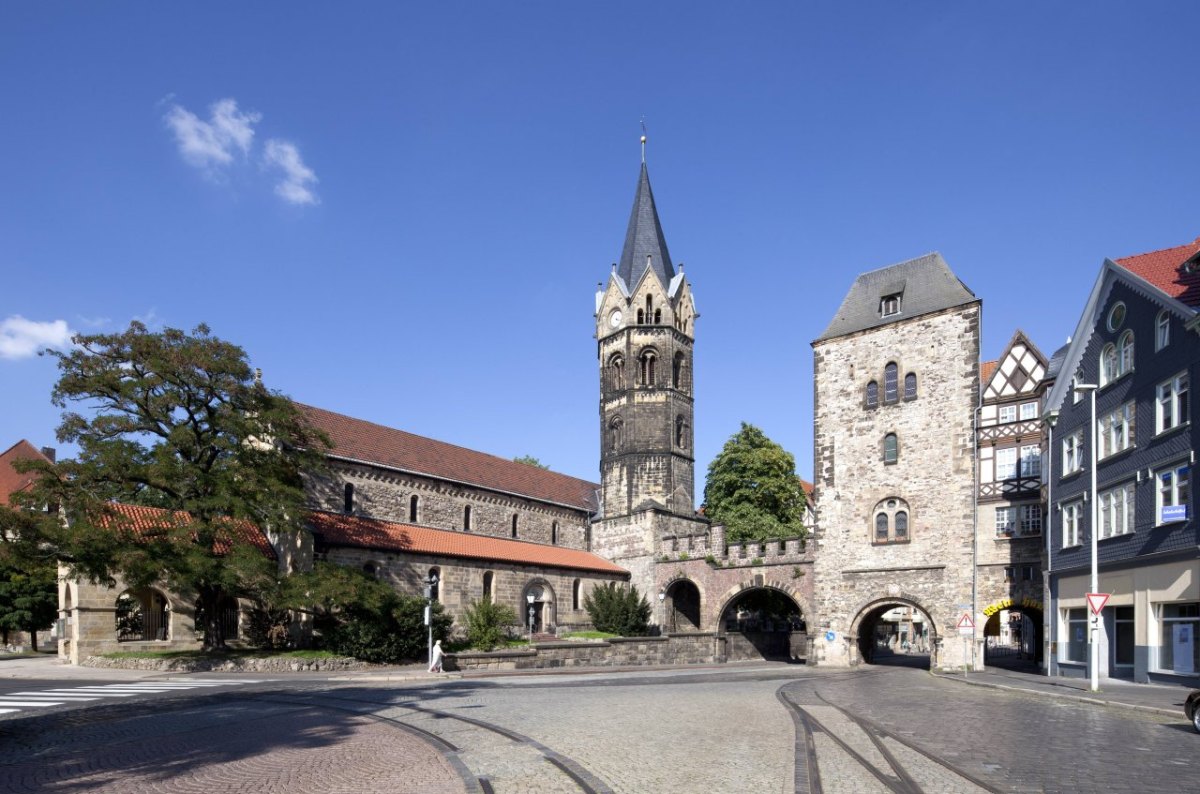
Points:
[1157,698]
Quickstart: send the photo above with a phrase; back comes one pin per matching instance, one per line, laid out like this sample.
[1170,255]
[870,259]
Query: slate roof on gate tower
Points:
[366,442]
[926,284]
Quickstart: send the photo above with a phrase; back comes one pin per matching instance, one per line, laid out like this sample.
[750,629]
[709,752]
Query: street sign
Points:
[1096,601]
[966,625]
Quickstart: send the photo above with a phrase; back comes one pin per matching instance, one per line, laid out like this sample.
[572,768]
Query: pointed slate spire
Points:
[645,245]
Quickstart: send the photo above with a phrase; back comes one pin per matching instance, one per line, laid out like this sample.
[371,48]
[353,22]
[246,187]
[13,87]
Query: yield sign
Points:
[1097,601]
[965,622]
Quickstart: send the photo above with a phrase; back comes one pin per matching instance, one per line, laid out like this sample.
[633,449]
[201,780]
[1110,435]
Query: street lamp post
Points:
[1093,634]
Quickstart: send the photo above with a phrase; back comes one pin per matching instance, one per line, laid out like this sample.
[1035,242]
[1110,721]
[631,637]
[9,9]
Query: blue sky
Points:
[401,211]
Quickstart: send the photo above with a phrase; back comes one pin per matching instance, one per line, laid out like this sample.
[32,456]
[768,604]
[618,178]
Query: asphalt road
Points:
[762,729]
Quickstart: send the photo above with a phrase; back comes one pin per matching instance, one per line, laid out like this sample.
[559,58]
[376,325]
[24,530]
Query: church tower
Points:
[645,326]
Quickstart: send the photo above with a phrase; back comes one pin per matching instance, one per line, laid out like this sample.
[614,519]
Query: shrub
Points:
[396,633]
[487,623]
[269,627]
[618,610]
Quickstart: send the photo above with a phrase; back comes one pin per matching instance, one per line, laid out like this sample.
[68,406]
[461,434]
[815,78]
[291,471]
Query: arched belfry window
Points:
[647,362]
[616,372]
[677,371]
[890,520]
[657,316]
[616,428]
[910,386]
[649,308]
[873,394]
[890,384]
[681,432]
[641,317]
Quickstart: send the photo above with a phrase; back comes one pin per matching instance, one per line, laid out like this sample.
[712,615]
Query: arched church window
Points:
[348,498]
[466,518]
[901,520]
[881,527]
[554,533]
[910,386]
[890,385]
[414,504]
[873,395]
[488,578]
[514,525]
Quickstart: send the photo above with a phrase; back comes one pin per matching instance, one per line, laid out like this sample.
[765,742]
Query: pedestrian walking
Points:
[435,665]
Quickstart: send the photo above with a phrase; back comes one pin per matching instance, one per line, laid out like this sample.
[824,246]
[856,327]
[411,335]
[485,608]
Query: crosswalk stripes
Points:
[14,702]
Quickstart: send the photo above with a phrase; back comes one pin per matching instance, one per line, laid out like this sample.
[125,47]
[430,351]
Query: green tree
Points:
[28,600]
[530,460]
[618,610]
[487,623]
[753,489]
[357,615]
[175,421]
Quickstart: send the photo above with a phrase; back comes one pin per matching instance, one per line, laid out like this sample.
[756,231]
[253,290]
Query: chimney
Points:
[49,453]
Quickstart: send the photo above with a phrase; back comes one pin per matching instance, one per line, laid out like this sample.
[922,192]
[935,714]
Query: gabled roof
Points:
[925,285]
[10,480]
[1018,372]
[148,522]
[1164,269]
[644,241]
[335,529]
[365,442]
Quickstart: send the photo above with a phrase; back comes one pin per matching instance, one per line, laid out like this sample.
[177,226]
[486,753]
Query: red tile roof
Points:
[147,522]
[10,480]
[359,440]
[986,370]
[342,530]
[1162,269]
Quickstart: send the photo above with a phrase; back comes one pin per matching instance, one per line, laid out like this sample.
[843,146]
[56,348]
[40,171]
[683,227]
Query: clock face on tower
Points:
[614,319]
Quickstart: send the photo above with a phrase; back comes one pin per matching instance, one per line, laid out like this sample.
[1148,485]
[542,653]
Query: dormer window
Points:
[889,305]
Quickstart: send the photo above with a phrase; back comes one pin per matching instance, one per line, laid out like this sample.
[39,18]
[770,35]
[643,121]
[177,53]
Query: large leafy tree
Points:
[28,599]
[175,421]
[753,489]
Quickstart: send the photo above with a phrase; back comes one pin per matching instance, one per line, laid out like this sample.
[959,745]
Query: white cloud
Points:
[214,143]
[296,185]
[21,338]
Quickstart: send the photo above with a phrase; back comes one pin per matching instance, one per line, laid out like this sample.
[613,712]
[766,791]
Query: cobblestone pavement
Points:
[770,729]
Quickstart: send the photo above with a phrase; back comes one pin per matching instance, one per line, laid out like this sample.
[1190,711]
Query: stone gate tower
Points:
[896,382]
[645,326]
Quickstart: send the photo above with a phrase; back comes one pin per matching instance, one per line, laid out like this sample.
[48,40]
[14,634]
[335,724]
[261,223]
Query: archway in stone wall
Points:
[537,607]
[1013,638]
[763,622]
[894,631]
[682,605]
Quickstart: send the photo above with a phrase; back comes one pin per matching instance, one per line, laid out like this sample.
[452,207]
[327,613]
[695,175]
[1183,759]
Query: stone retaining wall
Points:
[270,664]
[684,648]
